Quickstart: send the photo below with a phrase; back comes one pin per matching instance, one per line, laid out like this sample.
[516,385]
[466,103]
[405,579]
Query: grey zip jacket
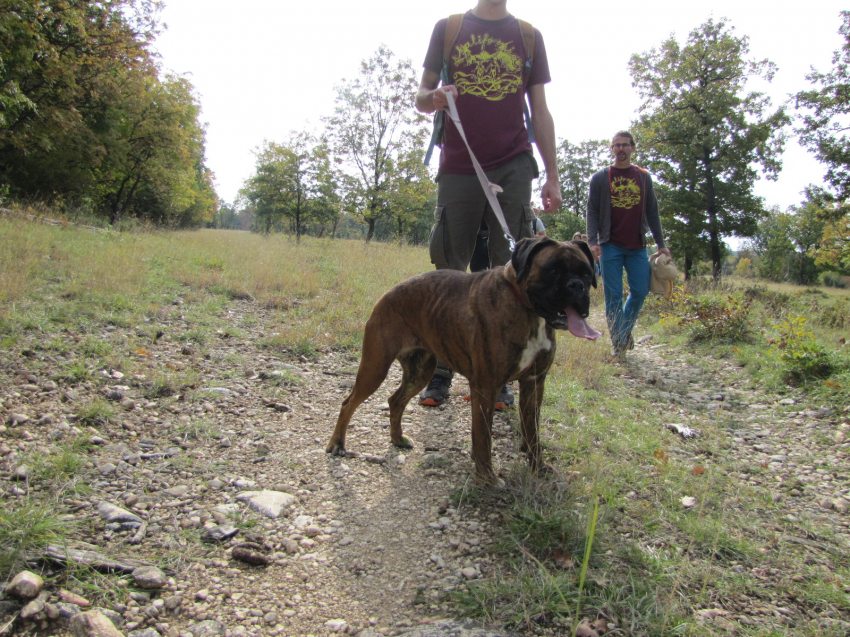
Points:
[599,209]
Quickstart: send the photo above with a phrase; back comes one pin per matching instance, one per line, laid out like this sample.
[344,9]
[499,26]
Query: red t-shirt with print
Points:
[486,64]
[626,207]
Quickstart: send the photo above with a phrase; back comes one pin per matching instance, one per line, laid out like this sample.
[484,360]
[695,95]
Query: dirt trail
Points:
[367,541]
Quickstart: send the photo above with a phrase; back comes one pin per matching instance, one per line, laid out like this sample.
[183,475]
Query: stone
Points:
[268,503]
[177,492]
[470,572]
[73,598]
[444,628]
[35,606]
[149,577]
[336,625]
[206,628]
[21,473]
[219,533]
[145,632]
[93,624]
[25,584]
[116,515]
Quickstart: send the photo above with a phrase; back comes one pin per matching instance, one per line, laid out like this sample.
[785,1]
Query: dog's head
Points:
[557,277]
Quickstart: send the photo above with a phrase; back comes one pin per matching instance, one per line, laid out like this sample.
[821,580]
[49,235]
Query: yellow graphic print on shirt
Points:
[487,68]
[625,192]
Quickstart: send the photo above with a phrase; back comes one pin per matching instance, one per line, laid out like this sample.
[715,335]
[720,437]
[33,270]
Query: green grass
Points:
[25,526]
[641,559]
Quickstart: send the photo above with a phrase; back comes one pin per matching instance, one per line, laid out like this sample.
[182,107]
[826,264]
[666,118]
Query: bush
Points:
[711,317]
[803,357]
[833,280]
[836,315]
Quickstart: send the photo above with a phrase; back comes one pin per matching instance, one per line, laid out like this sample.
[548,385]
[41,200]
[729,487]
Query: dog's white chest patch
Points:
[536,344]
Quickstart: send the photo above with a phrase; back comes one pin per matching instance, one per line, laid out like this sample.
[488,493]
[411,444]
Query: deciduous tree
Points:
[372,122]
[706,137]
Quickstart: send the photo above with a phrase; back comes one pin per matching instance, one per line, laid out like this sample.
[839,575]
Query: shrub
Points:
[836,315]
[833,280]
[712,317]
[803,357]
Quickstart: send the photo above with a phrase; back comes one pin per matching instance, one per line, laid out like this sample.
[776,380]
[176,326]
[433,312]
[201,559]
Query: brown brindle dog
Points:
[492,327]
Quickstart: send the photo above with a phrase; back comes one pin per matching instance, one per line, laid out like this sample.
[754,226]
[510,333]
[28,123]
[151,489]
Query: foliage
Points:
[711,317]
[705,138]
[804,358]
[576,165]
[283,184]
[744,268]
[372,128]
[86,120]
[824,128]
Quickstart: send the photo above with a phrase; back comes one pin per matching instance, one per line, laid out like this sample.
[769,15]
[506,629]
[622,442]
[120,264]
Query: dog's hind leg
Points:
[375,362]
[417,366]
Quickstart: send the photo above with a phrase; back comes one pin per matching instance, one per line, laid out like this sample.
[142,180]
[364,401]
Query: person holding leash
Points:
[621,209]
[493,61]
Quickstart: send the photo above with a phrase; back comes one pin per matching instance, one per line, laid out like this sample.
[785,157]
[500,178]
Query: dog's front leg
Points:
[530,400]
[483,406]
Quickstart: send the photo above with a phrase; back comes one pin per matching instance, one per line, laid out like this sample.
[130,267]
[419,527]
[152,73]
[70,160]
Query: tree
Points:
[372,122]
[576,164]
[788,242]
[704,137]
[412,193]
[283,183]
[824,127]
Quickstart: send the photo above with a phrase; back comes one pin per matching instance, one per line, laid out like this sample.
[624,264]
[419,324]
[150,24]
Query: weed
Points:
[76,372]
[718,318]
[96,413]
[804,358]
[23,528]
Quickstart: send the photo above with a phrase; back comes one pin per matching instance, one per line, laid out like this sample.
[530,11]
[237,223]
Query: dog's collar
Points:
[518,296]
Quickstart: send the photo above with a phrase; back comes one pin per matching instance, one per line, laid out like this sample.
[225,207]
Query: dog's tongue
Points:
[579,327]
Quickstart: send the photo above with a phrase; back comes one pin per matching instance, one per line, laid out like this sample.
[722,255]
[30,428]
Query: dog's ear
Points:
[524,252]
[582,245]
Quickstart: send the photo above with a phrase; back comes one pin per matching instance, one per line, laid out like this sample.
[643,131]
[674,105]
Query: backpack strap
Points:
[453,25]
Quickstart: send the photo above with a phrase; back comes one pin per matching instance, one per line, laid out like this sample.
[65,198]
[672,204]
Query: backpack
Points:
[453,25]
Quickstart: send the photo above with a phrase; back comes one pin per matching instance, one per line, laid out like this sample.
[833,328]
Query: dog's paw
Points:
[404,443]
[336,449]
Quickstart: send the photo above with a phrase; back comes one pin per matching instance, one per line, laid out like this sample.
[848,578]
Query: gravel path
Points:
[347,545]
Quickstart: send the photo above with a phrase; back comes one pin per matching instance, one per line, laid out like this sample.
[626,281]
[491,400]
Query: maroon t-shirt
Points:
[626,207]
[486,65]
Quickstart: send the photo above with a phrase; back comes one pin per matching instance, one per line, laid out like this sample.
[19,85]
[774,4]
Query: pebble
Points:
[268,503]
[93,624]
[25,584]
[149,577]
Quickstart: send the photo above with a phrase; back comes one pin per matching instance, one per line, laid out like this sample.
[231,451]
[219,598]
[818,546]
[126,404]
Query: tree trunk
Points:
[711,211]
[689,263]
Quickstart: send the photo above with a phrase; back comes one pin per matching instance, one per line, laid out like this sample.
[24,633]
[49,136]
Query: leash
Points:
[490,189]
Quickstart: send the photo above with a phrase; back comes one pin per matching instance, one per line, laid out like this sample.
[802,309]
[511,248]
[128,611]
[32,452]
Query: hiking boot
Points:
[436,392]
[618,354]
[505,399]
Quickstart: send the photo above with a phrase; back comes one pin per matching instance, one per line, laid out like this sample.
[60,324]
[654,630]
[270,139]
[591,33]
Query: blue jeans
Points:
[622,319]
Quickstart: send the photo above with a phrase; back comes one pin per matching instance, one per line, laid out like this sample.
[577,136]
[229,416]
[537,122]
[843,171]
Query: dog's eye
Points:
[554,273]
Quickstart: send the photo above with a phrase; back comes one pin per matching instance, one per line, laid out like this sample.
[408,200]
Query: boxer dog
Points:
[492,327]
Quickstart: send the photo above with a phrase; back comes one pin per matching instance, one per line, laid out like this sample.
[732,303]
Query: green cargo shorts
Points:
[462,205]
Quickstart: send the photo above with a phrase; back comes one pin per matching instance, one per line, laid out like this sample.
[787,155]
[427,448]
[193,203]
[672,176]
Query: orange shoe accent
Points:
[430,402]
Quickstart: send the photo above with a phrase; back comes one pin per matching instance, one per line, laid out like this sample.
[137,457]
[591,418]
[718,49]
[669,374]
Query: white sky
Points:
[263,68]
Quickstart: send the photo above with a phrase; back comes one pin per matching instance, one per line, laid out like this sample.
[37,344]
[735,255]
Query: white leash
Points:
[490,189]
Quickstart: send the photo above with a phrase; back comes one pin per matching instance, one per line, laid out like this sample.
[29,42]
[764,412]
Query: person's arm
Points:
[431,96]
[544,135]
[653,218]
[593,220]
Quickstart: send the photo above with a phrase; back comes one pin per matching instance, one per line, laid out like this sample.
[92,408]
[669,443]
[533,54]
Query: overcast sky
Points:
[263,68]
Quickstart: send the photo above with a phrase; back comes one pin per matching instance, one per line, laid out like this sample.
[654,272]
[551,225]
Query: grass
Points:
[25,526]
[604,536]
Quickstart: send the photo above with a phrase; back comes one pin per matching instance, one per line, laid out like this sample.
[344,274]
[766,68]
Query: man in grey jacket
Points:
[621,209]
